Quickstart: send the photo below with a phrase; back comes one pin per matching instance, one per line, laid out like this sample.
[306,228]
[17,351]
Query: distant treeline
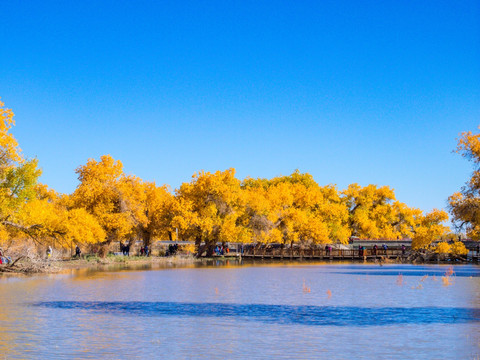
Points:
[109,205]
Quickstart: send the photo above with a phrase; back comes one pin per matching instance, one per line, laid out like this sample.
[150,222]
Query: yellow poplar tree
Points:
[465,204]
[334,212]
[376,214]
[55,224]
[18,179]
[294,209]
[215,203]
[160,208]
[428,228]
[113,198]
[370,210]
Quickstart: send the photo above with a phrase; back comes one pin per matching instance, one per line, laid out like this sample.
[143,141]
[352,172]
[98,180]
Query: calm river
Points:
[280,311]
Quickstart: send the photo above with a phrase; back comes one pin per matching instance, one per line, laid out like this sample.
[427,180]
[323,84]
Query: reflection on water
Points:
[409,270]
[280,314]
[243,310]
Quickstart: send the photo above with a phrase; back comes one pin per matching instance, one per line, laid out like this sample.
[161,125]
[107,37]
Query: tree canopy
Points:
[109,205]
[465,204]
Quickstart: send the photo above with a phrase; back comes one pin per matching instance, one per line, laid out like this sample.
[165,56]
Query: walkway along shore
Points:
[241,252]
[393,251]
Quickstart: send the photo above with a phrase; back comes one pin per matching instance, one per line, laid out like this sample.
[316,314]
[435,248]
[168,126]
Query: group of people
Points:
[125,249]
[362,249]
[220,250]
[78,252]
[144,251]
[172,250]
[328,249]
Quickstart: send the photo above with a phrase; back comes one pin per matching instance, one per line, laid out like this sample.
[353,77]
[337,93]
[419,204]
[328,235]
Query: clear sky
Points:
[349,91]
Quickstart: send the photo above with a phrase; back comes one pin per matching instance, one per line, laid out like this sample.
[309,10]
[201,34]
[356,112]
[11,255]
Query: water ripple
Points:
[279,314]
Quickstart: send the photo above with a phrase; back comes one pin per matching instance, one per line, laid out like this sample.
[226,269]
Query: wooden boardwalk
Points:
[310,257]
[319,254]
[334,254]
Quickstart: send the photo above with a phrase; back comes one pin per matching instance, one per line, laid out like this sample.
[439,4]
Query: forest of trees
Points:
[109,205]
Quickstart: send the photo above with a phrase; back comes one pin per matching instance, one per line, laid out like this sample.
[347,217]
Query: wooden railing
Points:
[320,253]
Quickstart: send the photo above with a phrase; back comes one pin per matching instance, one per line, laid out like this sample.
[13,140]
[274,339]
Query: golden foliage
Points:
[429,228]
[294,208]
[9,150]
[109,195]
[465,205]
[458,248]
[214,207]
[55,224]
[443,248]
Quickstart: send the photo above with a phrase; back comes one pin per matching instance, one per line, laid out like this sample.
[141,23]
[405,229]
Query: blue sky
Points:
[349,91]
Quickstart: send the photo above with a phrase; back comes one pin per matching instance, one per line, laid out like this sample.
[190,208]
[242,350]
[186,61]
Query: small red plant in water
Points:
[449,271]
[306,289]
[400,280]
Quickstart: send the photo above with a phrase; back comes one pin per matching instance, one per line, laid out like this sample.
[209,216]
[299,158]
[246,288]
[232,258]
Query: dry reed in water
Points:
[306,289]
[446,280]
[400,280]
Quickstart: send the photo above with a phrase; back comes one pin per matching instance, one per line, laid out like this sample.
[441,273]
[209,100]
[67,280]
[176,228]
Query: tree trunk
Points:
[147,238]
[201,250]
[103,247]
[210,248]
[199,247]
[198,242]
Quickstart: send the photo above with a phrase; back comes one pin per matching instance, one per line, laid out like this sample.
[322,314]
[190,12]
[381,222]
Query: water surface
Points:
[335,311]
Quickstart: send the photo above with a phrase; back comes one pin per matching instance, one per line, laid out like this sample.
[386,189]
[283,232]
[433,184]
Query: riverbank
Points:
[114,262]
[94,262]
[124,260]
